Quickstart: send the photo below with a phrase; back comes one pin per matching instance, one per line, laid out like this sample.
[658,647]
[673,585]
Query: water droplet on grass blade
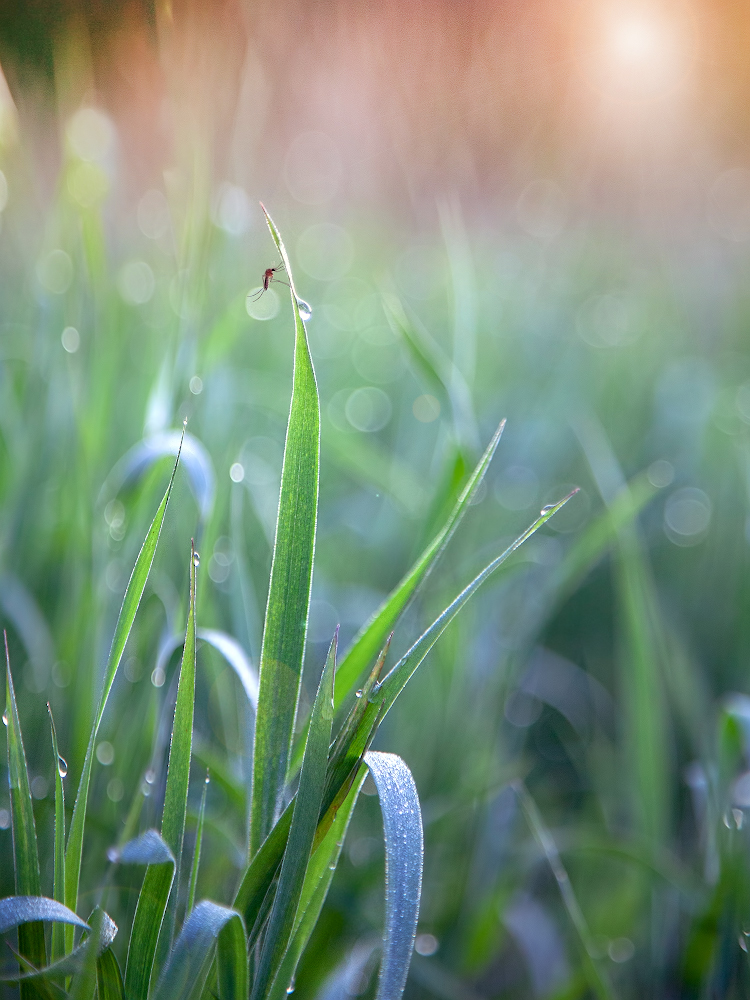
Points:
[546,510]
[305,309]
[358,694]
[5,717]
[196,559]
[62,766]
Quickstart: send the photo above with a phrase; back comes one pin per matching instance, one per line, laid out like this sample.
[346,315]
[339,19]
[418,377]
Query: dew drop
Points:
[547,509]
[62,766]
[290,987]
[5,717]
[358,694]
[145,789]
[208,778]
[150,776]
[332,866]
[305,309]
[196,559]
[113,855]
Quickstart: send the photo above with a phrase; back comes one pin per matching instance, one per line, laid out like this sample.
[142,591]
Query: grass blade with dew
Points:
[31,944]
[318,879]
[404,854]
[393,683]
[178,768]
[133,594]
[285,629]
[597,980]
[185,973]
[150,849]
[61,769]
[302,831]
[197,849]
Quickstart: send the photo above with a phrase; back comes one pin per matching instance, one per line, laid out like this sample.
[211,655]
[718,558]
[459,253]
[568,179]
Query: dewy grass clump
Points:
[250,945]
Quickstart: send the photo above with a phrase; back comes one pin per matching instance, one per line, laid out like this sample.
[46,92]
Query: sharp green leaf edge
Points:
[133,593]
[404,853]
[285,629]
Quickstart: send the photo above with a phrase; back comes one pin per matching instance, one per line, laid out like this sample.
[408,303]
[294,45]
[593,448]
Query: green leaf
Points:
[302,831]
[133,594]
[25,854]
[108,977]
[596,977]
[393,683]
[197,849]
[58,933]
[318,879]
[178,769]
[188,965]
[149,849]
[372,635]
[285,628]
[404,854]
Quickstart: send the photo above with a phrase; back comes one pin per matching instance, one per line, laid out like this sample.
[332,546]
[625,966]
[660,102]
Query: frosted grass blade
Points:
[31,943]
[404,853]
[188,965]
[15,910]
[150,849]
[302,831]
[58,932]
[133,594]
[285,628]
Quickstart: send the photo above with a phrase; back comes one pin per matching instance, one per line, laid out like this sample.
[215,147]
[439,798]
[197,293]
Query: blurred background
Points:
[537,211]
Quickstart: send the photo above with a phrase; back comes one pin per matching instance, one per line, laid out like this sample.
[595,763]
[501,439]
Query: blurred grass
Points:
[600,680]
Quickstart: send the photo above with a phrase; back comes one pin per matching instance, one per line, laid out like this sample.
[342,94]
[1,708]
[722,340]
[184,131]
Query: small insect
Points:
[269,275]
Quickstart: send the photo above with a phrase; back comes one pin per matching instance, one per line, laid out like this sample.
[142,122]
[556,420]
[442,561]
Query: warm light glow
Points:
[637,40]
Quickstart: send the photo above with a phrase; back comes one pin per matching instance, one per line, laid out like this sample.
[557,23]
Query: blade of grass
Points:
[302,831]
[285,628]
[597,979]
[197,849]
[133,594]
[188,965]
[108,977]
[404,853]
[31,943]
[149,849]
[84,982]
[58,931]
[178,768]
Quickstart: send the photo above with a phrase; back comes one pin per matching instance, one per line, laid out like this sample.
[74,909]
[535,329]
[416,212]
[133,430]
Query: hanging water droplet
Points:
[290,987]
[196,559]
[332,866]
[305,309]
[547,509]
[358,694]
[113,855]
[150,776]
[208,778]
[739,818]
[727,821]
[145,789]
[5,717]
[62,766]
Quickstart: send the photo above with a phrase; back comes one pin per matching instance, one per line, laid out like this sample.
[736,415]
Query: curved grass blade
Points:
[209,924]
[237,659]
[16,910]
[149,849]
[133,594]
[197,849]
[393,683]
[597,979]
[100,937]
[31,943]
[315,889]
[302,831]
[109,982]
[404,854]
[70,964]
[372,635]
[58,932]
[178,768]
[285,629]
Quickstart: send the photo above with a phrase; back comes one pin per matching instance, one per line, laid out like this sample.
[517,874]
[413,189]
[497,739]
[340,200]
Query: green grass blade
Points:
[31,943]
[371,637]
[302,832]
[188,965]
[178,769]
[108,977]
[133,594]
[393,683]
[317,883]
[597,979]
[197,849]
[58,931]
[404,854]
[15,910]
[149,849]
[288,604]
[84,982]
